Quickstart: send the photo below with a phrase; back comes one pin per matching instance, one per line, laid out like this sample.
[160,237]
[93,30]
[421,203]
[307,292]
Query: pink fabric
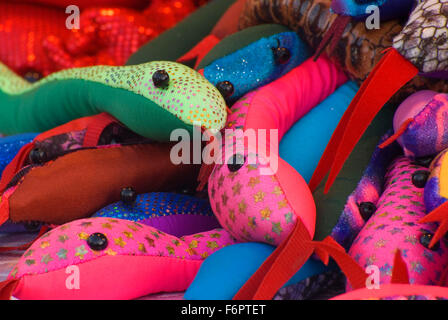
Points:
[112,277]
[283,102]
[395,226]
[264,206]
[67,245]
[396,292]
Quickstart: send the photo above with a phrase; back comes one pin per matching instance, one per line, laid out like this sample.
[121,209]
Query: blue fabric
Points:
[253,66]
[304,143]
[156,204]
[389,9]
[10,146]
[223,273]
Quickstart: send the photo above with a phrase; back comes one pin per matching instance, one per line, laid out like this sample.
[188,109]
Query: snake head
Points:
[423,40]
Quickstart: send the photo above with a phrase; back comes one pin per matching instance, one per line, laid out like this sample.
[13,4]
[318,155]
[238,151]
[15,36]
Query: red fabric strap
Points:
[200,50]
[397,134]
[7,287]
[289,257]
[440,214]
[279,267]
[400,271]
[95,128]
[388,76]
[333,35]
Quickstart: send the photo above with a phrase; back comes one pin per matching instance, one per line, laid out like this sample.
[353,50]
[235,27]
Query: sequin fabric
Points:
[189,96]
[36,42]
[244,70]
[10,146]
[157,204]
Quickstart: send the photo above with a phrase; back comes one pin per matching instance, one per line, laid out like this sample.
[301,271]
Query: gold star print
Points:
[191,252]
[204,254]
[150,241]
[265,213]
[242,206]
[106,225]
[81,252]
[132,227]
[215,235]
[277,191]
[232,215]
[83,236]
[44,244]
[176,242]
[253,182]
[220,181]
[237,188]
[110,252]
[212,244]
[259,196]
[28,253]
[396,218]
[224,198]
[233,175]
[155,234]
[113,220]
[212,191]
[128,235]
[246,234]
[170,250]
[86,224]
[62,238]
[282,204]
[141,248]
[251,167]
[193,244]
[217,209]
[251,223]
[119,242]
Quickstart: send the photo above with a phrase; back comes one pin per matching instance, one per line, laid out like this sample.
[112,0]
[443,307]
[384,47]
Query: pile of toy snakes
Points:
[346,199]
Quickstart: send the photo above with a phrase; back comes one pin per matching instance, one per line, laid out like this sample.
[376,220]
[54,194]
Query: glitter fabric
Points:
[9,146]
[188,96]
[254,65]
[157,204]
[36,42]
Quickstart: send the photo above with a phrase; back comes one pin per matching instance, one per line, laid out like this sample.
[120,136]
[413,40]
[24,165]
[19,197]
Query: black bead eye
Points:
[235,162]
[225,88]
[32,76]
[97,241]
[425,240]
[37,156]
[161,79]
[366,209]
[281,55]
[423,161]
[32,225]
[128,195]
[419,178]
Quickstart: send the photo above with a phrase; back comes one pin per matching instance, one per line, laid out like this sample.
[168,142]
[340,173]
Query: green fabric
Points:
[126,92]
[330,206]
[63,101]
[175,42]
[240,40]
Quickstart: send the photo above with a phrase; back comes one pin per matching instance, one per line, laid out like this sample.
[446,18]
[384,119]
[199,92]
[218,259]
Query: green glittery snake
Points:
[152,99]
